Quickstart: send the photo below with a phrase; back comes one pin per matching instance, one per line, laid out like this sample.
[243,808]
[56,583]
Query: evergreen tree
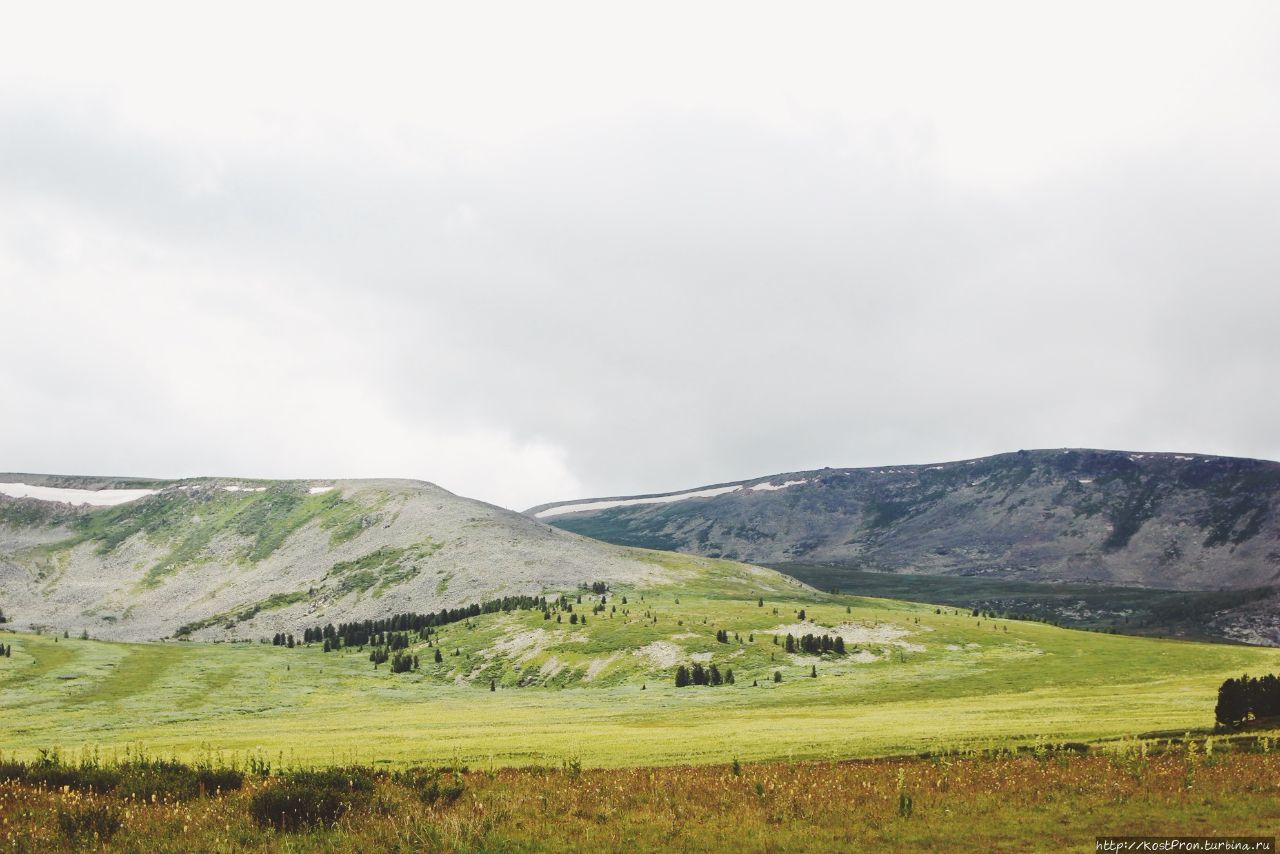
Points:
[814,672]
[439,657]
[791,643]
[728,676]
[682,676]
[698,674]
[493,685]
[714,677]
[1233,703]
[760,602]
[777,676]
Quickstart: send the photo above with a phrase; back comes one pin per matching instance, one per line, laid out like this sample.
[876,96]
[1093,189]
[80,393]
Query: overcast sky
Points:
[539,252]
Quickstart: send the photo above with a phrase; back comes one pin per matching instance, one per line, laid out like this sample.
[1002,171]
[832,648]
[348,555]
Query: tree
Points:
[439,657]
[714,677]
[814,672]
[1233,702]
[682,676]
[777,676]
[791,643]
[728,676]
[493,685]
[760,602]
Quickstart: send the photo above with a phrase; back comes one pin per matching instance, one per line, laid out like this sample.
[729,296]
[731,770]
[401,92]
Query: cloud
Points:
[533,267]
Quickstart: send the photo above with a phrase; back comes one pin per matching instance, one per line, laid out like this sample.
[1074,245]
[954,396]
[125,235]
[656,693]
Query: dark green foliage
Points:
[431,785]
[1248,698]
[777,676]
[90,823]
[682,677]
[306,799]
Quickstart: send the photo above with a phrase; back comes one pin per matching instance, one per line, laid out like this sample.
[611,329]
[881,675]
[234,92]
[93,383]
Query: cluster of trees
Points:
[6,651]
[1248,698]
[598,587]
[816,644]
[364,632]
[698,675]
[281,639]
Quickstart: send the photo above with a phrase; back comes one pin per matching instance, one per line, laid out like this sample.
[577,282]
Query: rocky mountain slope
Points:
[1171,521]
[233,558]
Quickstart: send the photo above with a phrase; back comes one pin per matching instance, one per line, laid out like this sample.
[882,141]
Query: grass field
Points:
[1049,802]
[602,694]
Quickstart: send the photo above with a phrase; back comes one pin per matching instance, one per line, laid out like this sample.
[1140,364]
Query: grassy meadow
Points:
[522,690]
[1040,801]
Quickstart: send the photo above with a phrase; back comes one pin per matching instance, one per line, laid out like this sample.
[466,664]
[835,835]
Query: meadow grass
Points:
[1047,801]
[923,679]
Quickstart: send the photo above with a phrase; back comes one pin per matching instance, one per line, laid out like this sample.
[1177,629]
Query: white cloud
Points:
[535,252]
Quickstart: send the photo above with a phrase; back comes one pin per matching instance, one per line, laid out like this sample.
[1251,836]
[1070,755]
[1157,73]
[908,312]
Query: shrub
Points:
[89,822]
[312,798]
[158,780]
[213,780]
[430,785]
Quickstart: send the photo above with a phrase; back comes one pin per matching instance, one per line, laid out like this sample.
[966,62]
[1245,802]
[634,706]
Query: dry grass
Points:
[1051,801]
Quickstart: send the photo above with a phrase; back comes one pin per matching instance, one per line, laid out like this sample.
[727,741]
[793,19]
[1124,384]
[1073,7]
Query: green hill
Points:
[521,687]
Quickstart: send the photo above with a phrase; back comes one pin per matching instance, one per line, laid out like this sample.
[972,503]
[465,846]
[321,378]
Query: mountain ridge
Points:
[1162,519]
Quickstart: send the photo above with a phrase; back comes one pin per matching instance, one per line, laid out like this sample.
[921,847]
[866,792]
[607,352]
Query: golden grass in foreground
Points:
[1051,802]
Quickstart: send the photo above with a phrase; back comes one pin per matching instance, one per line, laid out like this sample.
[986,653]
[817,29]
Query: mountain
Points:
[227,558]
[1184,522]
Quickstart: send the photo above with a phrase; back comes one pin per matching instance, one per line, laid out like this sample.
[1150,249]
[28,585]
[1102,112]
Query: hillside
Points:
[224,558]
[1179,522]
[524,687]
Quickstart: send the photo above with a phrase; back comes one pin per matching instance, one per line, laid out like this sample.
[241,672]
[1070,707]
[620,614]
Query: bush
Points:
[312,798]
[430,786]
[214,780]
[158,780]
[89,822]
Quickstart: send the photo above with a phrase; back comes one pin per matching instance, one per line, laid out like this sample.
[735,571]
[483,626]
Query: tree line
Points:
[365,632]
[816,644]
[699,675]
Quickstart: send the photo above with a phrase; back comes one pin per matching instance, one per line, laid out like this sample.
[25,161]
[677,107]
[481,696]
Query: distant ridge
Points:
[1170,520]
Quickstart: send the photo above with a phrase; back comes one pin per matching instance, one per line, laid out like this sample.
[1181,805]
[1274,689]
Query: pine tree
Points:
[777,676]
[760,602]
[682,676]
[493,685]
[728,676]
[439,657]
[814,672]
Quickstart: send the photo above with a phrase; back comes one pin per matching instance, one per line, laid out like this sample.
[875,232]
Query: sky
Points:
[534,252]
